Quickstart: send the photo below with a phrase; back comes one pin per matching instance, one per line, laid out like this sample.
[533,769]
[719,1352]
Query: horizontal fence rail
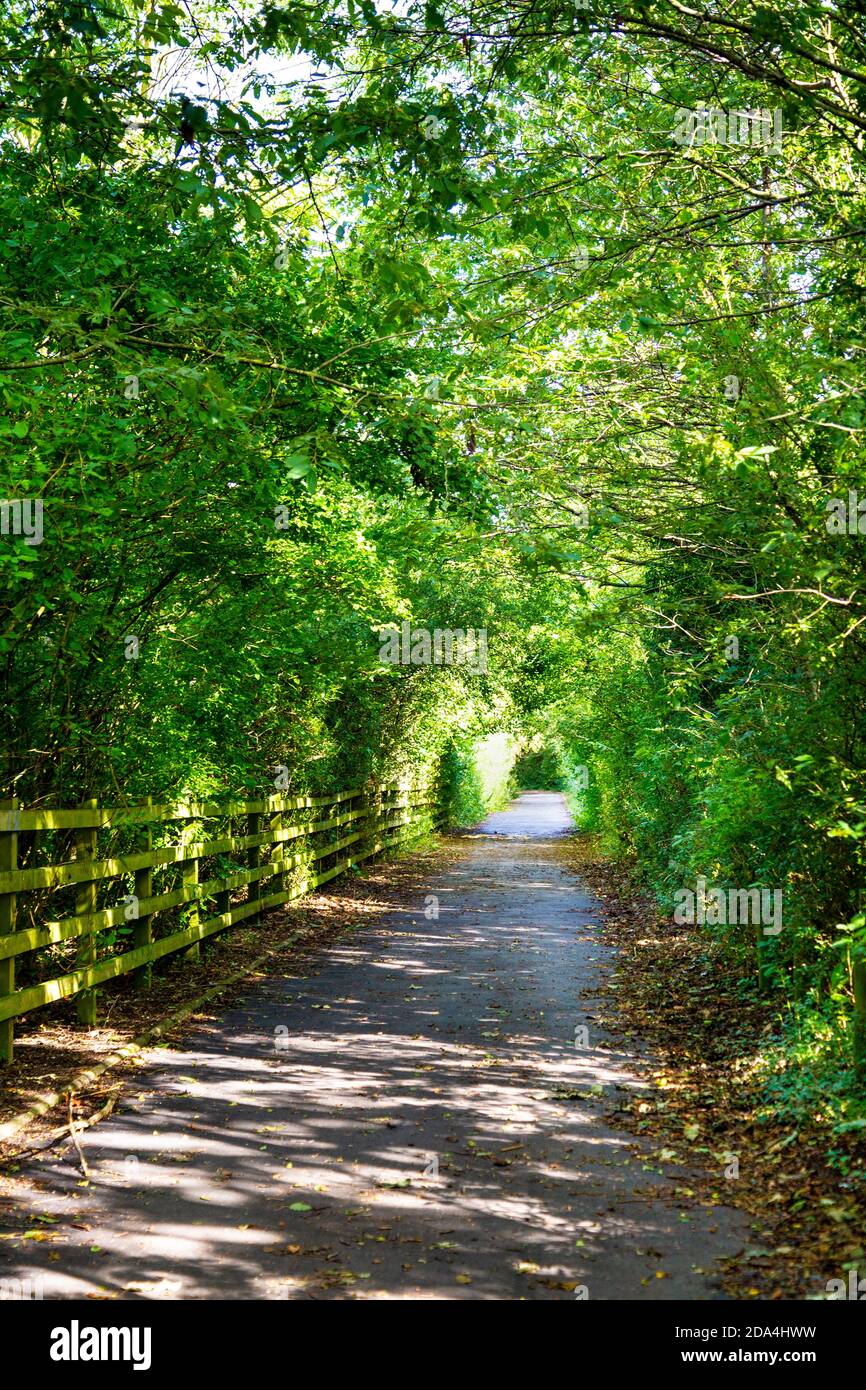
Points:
[91,894]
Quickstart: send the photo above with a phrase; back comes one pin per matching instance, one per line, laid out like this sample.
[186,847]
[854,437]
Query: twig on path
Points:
[64,1130]
[84,1168]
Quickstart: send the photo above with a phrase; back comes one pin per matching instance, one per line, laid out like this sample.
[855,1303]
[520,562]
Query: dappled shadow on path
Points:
[412,1120]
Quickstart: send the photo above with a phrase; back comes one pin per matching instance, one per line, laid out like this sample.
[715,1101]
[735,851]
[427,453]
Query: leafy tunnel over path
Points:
[526,318]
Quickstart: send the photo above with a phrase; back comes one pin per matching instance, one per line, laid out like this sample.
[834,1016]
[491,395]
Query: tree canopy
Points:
[319,317]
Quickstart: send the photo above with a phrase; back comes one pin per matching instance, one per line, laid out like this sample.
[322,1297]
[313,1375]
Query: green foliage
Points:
[451,340]
[539,769]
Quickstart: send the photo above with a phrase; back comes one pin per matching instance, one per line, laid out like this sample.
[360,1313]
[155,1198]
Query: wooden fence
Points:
[88,895]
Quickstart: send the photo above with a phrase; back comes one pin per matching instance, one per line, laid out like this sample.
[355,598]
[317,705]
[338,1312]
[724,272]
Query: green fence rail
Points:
[90,894]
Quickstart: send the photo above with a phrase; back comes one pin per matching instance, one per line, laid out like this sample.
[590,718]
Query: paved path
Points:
[412,1120]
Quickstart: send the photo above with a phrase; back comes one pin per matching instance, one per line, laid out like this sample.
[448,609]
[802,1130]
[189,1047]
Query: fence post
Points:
[278,849]
[85,903]
[254,860]
[222,903]
[358,825]
[8,864]
[192,955]
[376,818]
[223,898]
[142,932]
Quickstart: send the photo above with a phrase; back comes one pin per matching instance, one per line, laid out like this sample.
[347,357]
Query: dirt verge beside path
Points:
[675,994]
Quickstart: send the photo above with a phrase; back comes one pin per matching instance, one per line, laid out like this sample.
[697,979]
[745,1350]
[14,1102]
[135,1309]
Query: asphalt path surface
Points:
[420,1114]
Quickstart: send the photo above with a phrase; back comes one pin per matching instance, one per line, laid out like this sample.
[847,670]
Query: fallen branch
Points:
[72,1130]
[72,1125]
